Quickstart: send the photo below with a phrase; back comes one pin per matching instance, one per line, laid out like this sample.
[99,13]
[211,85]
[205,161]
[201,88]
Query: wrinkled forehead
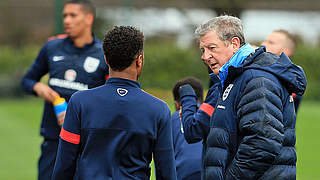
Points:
[210,38]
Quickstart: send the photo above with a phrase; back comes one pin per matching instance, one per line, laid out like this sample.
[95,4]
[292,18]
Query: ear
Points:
[139,61]
[235,43]
[177,105]
[106,60]
[89,19]
[287,52]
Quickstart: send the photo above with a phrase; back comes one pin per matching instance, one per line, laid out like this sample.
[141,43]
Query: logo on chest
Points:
[91,64]
[122,92]
[70,75]
[226,92]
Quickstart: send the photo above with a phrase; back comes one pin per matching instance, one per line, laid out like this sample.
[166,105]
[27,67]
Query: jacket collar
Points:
[235,61]
[121,81]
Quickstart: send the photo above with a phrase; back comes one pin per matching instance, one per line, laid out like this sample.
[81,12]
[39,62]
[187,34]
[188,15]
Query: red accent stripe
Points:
[294,95]
[207,108]
[70,137]
[107,77]
[59,36]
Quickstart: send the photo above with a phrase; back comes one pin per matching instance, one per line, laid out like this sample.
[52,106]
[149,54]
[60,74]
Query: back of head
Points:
[227,27]
[290,42]
[87,6]
[121,46]
[196,85]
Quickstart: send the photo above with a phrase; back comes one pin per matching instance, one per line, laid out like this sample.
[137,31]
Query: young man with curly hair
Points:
[112,131]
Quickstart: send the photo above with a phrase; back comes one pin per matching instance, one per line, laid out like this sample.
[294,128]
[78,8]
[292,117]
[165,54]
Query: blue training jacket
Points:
[252,129]
[70,69]
[187,156]
[112,132]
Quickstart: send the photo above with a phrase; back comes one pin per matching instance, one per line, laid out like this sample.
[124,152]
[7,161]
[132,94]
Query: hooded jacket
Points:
[252,130]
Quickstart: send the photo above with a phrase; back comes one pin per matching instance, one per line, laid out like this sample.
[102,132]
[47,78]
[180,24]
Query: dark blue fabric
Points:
[119,134]
[47,159]
[252,130]
[56,58]
[187,156]
[196,122]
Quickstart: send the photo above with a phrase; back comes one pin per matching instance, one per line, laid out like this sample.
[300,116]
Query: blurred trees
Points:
[165,63]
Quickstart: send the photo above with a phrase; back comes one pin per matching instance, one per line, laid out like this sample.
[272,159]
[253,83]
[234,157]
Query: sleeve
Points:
[261,123]
[196,122]
[69,140]
[163,151]
[38,69]
[175,132]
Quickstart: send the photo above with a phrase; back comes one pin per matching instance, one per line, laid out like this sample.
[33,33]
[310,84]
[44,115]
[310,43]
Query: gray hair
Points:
[226,27]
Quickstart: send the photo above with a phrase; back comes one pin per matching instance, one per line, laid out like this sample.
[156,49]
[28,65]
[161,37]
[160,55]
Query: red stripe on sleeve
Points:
[70,137]
[294,95]
[107,77]
[207,108]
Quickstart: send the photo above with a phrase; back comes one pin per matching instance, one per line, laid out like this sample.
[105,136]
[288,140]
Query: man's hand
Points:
[186,90]
[45,92]
[61,118]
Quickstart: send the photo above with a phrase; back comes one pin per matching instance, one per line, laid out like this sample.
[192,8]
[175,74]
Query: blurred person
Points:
[187,156]
[278,42]
[252,130]
[112,132]
[74,62]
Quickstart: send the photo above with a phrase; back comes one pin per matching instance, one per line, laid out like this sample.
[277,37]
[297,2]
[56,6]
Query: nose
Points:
[206,56]
[66,20]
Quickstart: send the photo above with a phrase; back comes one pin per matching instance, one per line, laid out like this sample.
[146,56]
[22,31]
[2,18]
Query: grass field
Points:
[20,140]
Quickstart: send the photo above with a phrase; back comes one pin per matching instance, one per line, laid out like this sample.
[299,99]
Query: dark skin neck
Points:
[125,74]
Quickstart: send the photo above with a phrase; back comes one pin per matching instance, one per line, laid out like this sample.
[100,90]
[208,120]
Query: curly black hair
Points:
[195,84]
[121,45]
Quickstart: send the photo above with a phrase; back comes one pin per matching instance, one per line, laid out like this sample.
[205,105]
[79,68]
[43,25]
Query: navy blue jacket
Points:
[70,69]
[252,130]
[112,132]
[187,156]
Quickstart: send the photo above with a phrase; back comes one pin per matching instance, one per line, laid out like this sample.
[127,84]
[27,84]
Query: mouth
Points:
[213,65]
[67,29]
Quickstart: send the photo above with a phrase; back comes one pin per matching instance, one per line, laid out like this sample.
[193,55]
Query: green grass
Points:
[20,139]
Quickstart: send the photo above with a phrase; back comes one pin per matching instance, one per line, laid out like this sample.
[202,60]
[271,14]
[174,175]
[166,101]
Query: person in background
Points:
[112,131]
[187,156]
[252,129]
[278,42]
[74,62]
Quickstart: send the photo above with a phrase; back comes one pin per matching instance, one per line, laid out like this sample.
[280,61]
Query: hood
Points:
[291,75]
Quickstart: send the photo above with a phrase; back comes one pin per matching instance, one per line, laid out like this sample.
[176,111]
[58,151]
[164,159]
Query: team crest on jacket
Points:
[91,64]
[226,92]
[122,92]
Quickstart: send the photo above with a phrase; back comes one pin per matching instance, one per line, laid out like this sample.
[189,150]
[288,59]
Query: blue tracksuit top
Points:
[112,132]
[187,156]
[70,69]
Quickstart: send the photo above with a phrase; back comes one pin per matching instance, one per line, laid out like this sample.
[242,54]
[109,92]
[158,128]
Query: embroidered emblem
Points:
[57,58]
[221,107]
[226,92]
[70,75]
[122,92]
[91,64]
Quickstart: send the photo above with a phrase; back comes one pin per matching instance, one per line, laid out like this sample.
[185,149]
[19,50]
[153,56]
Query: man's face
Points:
[215,53]
[75,20]
[275,43]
